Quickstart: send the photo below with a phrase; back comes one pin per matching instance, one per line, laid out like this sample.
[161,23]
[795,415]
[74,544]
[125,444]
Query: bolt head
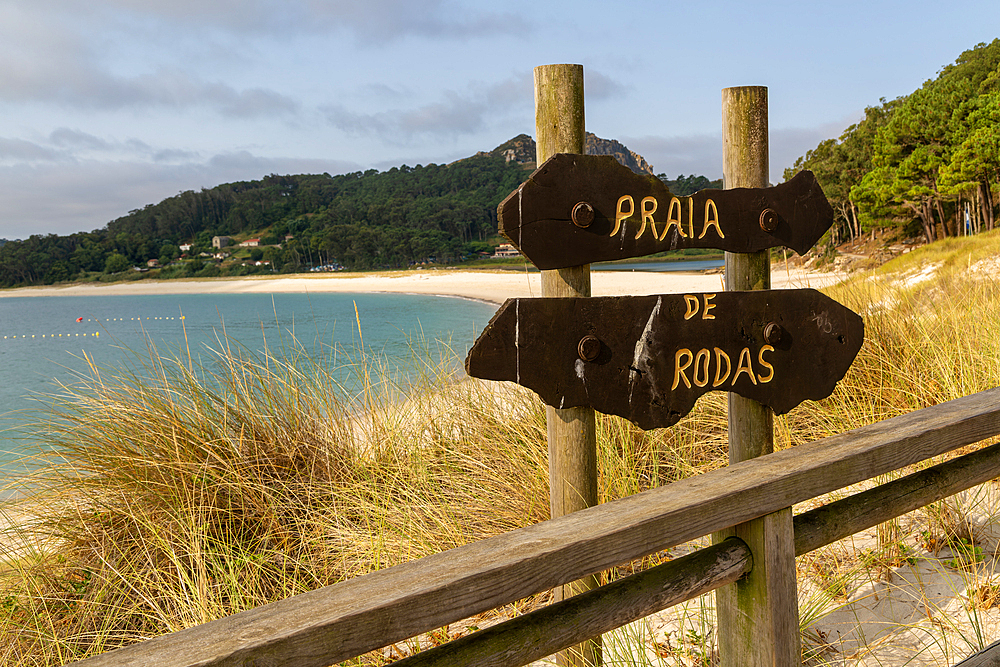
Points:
[773,333]
[589,348]
[768,220]
[583,214]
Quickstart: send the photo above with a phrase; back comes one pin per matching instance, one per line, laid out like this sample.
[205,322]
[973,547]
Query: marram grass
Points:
[172,494]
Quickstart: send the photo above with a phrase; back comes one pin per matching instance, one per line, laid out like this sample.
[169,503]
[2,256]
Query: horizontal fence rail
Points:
[553,628]
[988,657]
[540,633]
[348,619]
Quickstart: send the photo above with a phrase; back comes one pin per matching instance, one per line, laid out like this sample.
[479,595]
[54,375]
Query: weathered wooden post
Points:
[559,128]
[758,615]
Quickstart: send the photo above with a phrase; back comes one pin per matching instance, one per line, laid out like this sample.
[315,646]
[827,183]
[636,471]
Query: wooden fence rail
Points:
[348,619]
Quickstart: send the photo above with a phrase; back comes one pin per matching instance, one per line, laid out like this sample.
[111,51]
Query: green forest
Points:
[439,214]
[927,163]
[361,220]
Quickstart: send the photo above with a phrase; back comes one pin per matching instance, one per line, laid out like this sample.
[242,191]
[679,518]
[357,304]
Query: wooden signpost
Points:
[578,209]
[649,358]
[572,432]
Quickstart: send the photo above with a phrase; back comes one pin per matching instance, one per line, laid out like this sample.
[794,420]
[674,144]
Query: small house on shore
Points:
[506,250]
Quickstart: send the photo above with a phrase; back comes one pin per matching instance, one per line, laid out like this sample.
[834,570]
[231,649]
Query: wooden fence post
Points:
[758,615]
[559,128]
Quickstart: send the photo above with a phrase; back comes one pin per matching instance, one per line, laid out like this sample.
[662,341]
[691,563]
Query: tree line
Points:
[928,162]
[362,220]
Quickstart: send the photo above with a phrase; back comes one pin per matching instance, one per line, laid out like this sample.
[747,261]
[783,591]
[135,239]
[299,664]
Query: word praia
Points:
[625,209]
[705,365]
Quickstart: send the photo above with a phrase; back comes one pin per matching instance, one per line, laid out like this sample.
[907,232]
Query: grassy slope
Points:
[180,494]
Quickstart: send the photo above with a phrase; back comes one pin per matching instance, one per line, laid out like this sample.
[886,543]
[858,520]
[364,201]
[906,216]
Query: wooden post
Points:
[559,128]
[758,615]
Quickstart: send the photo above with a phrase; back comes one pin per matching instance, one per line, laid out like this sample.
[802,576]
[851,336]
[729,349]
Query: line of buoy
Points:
[67,335]
[126,319]
[80,320]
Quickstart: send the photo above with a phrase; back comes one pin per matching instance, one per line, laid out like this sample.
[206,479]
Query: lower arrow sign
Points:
[649,358]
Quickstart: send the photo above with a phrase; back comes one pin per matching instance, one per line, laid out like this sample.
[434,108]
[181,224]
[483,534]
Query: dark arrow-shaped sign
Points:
[649,358]
[578,209]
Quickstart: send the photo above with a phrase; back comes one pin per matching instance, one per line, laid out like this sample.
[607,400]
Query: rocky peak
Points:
[631,159]
[521,149]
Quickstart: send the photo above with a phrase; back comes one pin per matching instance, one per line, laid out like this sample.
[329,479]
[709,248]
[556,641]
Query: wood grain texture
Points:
[572,433]
[744,137]
[656,355]
[339,622]
[759,631]
[559,111]
[840,519]
[988,657]
[758,615]
[543,632]
[537,216]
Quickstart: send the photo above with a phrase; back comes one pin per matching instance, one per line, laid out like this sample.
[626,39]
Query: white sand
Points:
[492,286]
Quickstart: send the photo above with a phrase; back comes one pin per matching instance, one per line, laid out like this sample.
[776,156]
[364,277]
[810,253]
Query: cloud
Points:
[698,154]
[456,113]
[701,154]
[86,195]
[73,146]
[25,151]
[790,143]
[244,165]
[372,22]
[597,86]
[82,86]
[65,137]
[48,59]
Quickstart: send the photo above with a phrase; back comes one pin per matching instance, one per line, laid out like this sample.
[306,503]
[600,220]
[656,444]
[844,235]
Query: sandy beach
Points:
[491,286]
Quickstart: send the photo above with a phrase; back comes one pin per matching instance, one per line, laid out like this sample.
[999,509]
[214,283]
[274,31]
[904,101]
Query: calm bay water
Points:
[42,341]
[665,265]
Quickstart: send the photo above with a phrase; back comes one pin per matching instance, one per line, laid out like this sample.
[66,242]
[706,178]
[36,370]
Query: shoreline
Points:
[488,286]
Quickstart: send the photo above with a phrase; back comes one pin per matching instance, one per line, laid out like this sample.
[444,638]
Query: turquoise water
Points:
[42,341]
[665,265]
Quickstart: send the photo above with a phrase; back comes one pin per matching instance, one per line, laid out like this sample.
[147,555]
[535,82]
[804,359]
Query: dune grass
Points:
[172,494]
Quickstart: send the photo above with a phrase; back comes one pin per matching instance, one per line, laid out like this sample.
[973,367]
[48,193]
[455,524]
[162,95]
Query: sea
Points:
[49,341]
[661,265]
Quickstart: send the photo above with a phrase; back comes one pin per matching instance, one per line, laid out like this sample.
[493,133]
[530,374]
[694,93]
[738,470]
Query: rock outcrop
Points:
[521,149]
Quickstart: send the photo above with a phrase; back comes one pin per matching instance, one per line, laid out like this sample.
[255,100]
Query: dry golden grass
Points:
[174,494]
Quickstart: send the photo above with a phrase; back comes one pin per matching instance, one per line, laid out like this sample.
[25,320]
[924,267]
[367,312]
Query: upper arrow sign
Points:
[578,209]
[649,358]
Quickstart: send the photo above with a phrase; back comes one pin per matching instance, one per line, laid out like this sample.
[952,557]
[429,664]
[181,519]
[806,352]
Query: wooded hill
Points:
[928,163]
[362,220]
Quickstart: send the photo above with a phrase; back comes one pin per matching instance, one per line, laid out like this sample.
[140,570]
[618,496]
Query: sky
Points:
[109,105]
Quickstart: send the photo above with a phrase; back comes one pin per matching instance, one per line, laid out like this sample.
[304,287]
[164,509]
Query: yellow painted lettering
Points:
[620,214]
[769,367]
[742,367]
[674,218]
[719,377]
[711,221]
[692,306]
[691,217]
[679,368]
[647,216]
[708,307]
[701,361]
